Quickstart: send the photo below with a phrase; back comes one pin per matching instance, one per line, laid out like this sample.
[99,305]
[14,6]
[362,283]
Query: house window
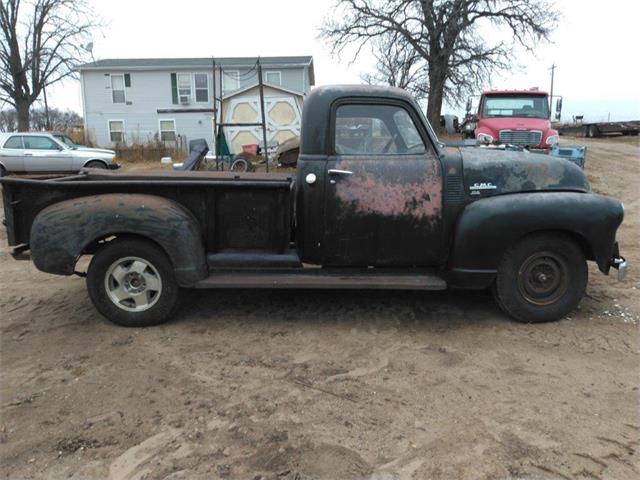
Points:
[231,81]
[184,87]
[168,130]
[116,131]
[201,81]
[273,78]
[117,89]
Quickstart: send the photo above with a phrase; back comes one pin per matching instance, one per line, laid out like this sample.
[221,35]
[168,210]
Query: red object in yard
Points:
[251,149]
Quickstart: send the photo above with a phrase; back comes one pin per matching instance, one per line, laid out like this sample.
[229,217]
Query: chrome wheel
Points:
[543,278]
[133,284]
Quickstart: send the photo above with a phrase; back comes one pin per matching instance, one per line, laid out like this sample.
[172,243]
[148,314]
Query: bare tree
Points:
[452,37]
[40,44]
[58,121]
[8,120]
[397,65]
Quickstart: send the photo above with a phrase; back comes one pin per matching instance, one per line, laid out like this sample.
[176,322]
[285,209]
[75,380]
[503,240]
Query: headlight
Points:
[552,140]
[484,138]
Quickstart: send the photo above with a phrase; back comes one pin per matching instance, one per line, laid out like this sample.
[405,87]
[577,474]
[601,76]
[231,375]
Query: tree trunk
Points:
[22,107]
[434,101]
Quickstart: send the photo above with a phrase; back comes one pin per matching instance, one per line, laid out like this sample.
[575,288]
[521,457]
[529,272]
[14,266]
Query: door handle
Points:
[334,171]
[28,154]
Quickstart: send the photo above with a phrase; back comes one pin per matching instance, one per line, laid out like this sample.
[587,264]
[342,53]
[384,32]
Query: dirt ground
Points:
[326,385]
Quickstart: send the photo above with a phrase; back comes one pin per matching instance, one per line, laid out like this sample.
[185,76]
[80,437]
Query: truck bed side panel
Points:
[62,231]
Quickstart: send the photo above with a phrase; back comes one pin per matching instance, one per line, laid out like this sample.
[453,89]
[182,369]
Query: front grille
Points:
[520,137]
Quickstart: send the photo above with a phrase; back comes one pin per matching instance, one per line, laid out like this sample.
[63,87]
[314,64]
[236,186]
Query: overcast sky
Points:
[595,46]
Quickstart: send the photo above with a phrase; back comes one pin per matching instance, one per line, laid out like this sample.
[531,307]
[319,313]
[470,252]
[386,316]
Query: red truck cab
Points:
[515,117]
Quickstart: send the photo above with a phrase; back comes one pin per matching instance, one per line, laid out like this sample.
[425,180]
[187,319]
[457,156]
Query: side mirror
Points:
[558,108]
[559,105]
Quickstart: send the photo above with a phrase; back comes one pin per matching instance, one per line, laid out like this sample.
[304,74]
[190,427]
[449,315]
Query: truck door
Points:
[42,154]
[383,188]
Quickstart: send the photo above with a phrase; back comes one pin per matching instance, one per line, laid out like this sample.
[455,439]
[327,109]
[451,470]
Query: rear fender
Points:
[487,227]
[62,232]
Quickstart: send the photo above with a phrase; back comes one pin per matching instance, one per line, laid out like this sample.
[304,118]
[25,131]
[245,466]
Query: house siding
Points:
[150,91]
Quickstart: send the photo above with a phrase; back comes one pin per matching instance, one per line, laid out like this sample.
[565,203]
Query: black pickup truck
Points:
[376,202]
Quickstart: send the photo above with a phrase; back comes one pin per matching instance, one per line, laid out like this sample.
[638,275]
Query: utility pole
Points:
[553,69]
[215,107]
[46,109]
[264,123]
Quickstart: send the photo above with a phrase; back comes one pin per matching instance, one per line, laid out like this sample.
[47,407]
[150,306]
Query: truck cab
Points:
[515,117]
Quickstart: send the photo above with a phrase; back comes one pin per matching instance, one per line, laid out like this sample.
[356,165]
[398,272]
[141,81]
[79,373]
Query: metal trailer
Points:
[598,129]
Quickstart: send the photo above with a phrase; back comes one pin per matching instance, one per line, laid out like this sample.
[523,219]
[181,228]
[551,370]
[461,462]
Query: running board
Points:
[323,278]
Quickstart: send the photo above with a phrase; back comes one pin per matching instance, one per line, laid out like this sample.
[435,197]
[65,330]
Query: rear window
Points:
[13,142]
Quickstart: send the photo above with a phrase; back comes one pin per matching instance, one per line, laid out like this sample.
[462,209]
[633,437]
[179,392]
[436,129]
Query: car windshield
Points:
[527,106]
[66,140]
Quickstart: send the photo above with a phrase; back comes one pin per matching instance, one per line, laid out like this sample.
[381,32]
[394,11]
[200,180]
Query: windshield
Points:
[524,106]
[66,140]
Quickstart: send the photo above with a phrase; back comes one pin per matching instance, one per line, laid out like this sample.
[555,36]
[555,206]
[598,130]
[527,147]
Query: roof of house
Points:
[206,62]
[255,84]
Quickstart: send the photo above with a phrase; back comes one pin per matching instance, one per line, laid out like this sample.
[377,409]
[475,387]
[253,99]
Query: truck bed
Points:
[235,211]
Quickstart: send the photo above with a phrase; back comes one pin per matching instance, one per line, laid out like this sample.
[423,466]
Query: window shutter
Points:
[174,88]
[127,80]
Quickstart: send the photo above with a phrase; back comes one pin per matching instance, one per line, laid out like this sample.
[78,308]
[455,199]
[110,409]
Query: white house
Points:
[129,101]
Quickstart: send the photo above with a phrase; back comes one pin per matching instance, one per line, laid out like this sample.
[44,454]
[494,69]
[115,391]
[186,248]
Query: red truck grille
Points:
[521,137]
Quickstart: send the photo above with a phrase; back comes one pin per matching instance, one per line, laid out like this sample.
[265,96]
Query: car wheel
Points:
[95,164]
[541,278]
[131,282]
[3,171]
[592,131]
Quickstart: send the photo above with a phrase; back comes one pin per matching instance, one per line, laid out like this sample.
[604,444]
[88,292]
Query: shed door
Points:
[383,190]
[282,115]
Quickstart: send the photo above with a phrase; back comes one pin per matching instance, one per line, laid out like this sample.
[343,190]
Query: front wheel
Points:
[96,164]
[131,282]
[542,278]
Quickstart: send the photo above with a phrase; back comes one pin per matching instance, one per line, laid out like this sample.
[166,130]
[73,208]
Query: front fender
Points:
[62,231]
[487,227]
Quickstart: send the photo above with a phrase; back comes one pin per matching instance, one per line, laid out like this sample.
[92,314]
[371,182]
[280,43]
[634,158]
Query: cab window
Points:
[14,142]
[376,130]
[39,143]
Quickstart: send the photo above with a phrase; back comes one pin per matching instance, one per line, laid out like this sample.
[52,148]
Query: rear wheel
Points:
[131,282]
[96,164]
[541,278]
[593,132]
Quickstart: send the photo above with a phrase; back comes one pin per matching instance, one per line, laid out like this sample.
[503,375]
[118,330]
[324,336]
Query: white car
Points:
[22,152]
[64,138]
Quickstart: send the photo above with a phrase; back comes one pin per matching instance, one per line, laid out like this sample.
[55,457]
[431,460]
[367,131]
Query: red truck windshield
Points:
[527,106]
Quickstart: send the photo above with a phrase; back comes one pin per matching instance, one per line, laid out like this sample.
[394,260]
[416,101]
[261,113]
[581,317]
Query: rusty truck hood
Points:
[493,172]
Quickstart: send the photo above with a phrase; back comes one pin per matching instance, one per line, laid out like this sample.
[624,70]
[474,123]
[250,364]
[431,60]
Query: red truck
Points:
[513,117]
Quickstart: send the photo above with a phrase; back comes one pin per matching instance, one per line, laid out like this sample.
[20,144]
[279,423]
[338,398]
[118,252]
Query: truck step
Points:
[380,279]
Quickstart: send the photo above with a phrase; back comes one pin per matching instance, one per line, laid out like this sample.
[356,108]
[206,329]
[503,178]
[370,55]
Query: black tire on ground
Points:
[96,164]
[3,171]
[541,278]
[154,287]
[290,158]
